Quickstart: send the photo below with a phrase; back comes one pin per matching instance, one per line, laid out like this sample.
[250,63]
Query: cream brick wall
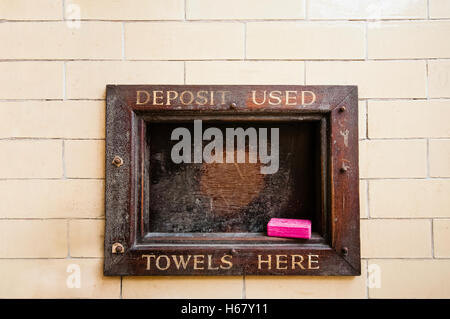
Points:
[439,9]
[367,9]
[52,130]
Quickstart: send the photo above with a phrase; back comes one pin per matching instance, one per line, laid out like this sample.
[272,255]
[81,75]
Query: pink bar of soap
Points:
[294,228]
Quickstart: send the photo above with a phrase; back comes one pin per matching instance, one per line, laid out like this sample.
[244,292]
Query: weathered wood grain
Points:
[317,180]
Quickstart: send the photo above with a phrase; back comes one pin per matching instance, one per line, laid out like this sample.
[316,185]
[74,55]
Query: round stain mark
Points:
[231,186]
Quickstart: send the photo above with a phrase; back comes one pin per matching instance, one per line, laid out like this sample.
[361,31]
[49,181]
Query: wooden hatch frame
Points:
[335,107]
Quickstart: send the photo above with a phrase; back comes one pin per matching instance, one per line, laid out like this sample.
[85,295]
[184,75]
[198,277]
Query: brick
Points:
[440,157]
[85,159]
[408,40]
[48,279]
[69,119]
[362,119]
[412,279]
[392,158]
[238,72]
[31,159]
[184,41]
[250,9]
[363,199]
[441,238]
[301,287]
[400,119]
[33,238]
[52,198]
[31,80]
[86,238]
[409,198]
[31,10]
[26,40]
[439,78]
[390,238]
[367,9]
[132,10]
[298,40]
[375,79]
[439,9]
[101,73]
[181,287]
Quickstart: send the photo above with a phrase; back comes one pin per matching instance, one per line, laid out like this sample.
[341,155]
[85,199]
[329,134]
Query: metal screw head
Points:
[117,248]
[343,169]
[118,161]
[233,106]
[341,109]
[344,251]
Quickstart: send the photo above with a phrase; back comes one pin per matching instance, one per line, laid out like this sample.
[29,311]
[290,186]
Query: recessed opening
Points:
[233,200]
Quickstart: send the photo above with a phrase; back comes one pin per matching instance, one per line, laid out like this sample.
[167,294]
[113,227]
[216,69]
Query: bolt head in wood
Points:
[343,169]
[118,161]
[341,109]
[117,248]
[233,106]
[344,251]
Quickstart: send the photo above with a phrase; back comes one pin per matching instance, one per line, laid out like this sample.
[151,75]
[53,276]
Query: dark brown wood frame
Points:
[336,107]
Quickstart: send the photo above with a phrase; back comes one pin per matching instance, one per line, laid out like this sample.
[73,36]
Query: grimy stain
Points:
[231,186]
[345,135]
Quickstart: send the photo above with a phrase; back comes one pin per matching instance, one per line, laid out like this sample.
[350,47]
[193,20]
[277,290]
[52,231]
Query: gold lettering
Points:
[211,94]
[225,261]
[210,263]
[268,261]
[223,95]
[254,98]
[279,261]
[155,97]
[313,99]
[196,261]
[138,97]
[288,97]
[148,260]
[182,97]
[200,95]
[181,261]
[171,98]
[298,263]
[310,261]
[277,97]
[167,262]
